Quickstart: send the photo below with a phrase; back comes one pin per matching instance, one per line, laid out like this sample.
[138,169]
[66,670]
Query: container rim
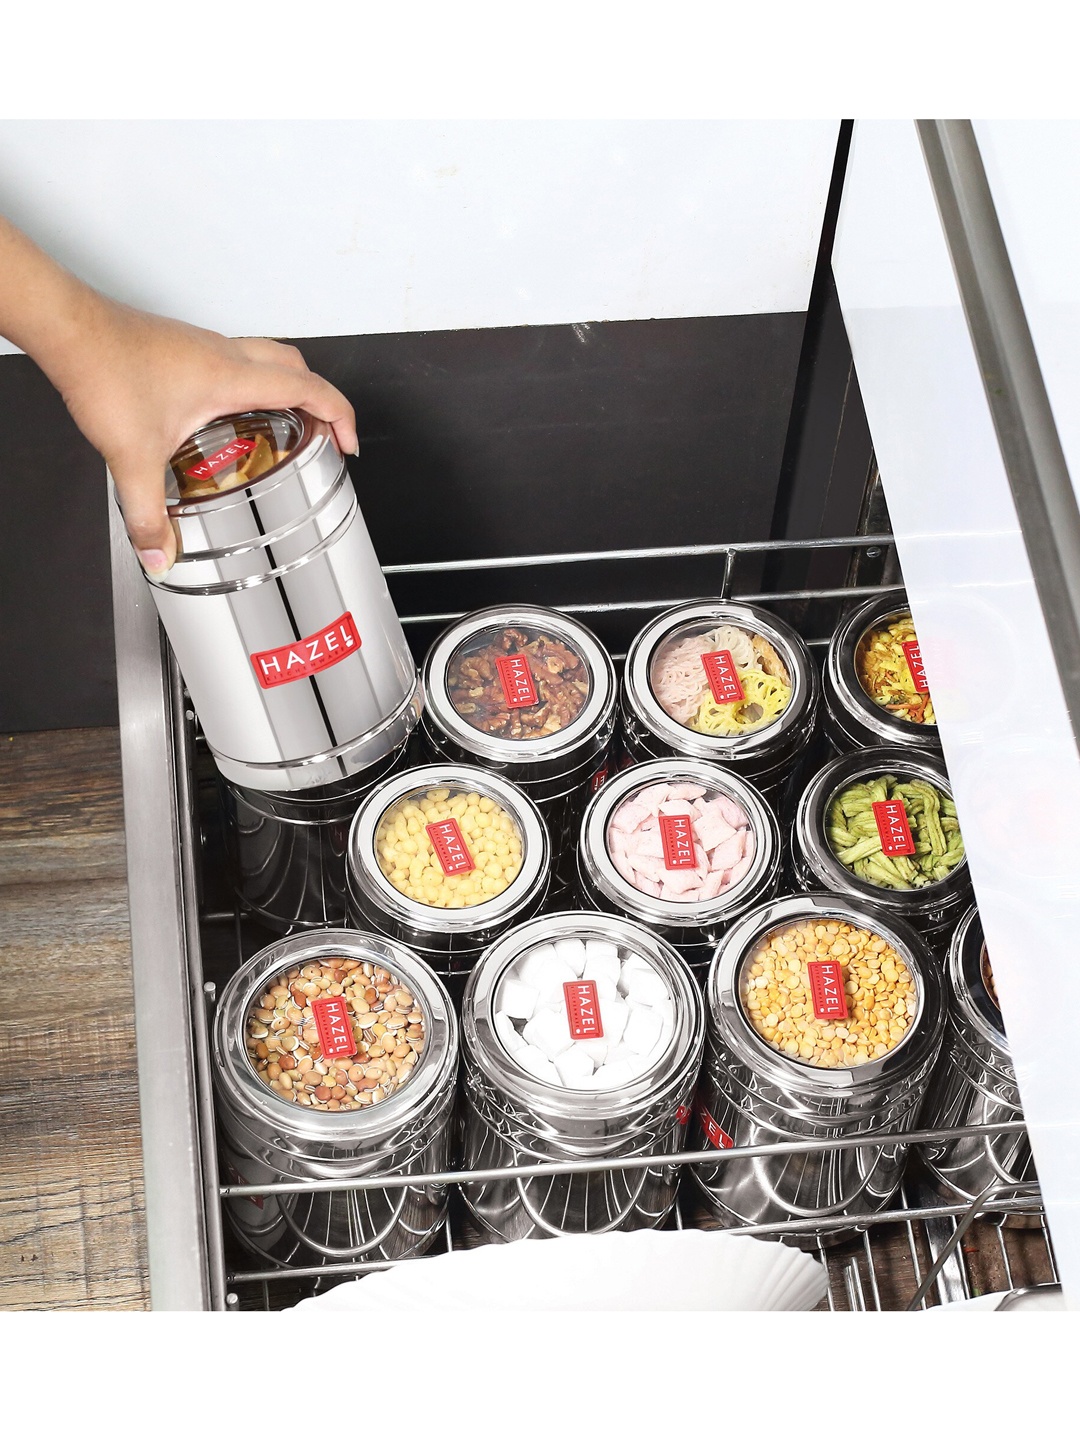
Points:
[964,967]
[845,682]
[311,435]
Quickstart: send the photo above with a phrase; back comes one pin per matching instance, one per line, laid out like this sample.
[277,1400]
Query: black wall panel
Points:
[473,443]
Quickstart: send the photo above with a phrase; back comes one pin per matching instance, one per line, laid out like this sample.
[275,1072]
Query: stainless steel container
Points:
[267,1138]
[277,609]
[934,909]
[513,1117]
[767,755]
[850,717]
[693,926]
[975,1083]
[450,940]
[530,694]
[751,1094]
[287,851]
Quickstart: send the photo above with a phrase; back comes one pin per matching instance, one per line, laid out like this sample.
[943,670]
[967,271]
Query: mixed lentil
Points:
[879,992]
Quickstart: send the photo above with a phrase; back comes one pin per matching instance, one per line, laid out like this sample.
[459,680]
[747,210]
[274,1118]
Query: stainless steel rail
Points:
[187,1240]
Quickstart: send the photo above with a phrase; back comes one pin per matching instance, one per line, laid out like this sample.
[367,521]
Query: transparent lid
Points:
[335,1034]
[889,667]
[720,679]
[449,847]
[681,841]
[232,452]
[895,833]
[828,994]
[584,1014]
[518,682]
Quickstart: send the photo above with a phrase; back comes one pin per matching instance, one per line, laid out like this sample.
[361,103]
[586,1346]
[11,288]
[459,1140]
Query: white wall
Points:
[353,227]
[1005,729]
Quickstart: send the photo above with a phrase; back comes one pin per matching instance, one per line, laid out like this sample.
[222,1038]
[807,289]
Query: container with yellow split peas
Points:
[875,690]
[825,1021]
[446,858]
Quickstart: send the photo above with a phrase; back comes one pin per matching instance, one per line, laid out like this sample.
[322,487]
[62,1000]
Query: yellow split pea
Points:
[880,993]
[410,862]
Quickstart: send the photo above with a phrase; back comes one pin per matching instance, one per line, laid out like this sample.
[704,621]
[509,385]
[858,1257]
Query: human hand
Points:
[138,385]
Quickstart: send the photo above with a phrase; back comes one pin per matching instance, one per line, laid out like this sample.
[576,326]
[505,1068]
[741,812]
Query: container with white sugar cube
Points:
[582,1040]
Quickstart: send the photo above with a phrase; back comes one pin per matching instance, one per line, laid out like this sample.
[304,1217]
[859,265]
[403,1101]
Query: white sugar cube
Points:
[549,1031]
[517,999]
[613,1018]
[666,1011]
[573,952]
[574,1067]
[611,1075]
[645,987]
[643,1029]
[504,1028]
[601,961]
[531,966]
[552,978]
[537,1064]
[597,1050]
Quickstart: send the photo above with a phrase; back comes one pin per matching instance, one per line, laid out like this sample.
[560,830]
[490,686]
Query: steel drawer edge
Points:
[160,904]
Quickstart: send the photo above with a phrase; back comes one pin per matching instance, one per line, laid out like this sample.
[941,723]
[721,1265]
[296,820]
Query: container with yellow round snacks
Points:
[445,858]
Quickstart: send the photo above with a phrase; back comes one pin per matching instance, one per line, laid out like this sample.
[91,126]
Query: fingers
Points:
[272,386]
[141,490]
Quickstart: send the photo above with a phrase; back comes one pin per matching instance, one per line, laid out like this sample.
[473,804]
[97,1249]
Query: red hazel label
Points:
[306,657]
[682,1114]
[599,779]
[914,663]
[332,1021]
[450,847]
[677,838]
[516,679]
[713,1133]
[723,678]
[827,989]
[228,455]
[893,828]
[583,1010]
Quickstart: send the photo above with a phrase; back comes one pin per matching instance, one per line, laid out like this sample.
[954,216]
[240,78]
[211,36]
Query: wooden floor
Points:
[71,1197]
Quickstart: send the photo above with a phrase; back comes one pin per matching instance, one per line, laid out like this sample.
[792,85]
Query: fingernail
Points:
[154,562]
[356,452]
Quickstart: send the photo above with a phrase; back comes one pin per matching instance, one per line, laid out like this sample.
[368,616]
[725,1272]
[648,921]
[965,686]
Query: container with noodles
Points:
[683,846]
[824,1021]
[446,858]
[975,1083]
[880,826]
[530,694]
[716,680]
[875,688]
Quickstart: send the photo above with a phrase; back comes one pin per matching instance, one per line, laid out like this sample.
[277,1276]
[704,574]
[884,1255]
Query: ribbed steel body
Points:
[267,1138]
[767,757]
[450,941]
[850,719]
[975,1083]
[934,910]
[756,1095]
[287,851]
[692,928]
[280,618]
[509,1117]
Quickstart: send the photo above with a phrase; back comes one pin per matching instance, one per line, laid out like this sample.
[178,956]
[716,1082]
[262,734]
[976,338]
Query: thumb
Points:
[140,486]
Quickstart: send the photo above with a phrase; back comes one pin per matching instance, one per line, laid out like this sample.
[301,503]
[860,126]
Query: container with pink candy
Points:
[684,846]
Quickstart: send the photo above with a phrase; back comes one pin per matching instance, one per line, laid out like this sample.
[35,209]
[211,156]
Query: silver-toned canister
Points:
[268,1139]
[975,1083]
[850,718]
[287,851]
[530,694]
[694,926]
[935,909]
[450,940]
[766,756]
[751,1094]
[276,608]
[512,1117]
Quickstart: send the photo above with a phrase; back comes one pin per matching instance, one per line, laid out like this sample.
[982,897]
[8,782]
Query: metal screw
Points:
[873,552]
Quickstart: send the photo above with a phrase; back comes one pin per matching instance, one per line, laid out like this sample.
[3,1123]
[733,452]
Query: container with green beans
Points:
[881,825]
